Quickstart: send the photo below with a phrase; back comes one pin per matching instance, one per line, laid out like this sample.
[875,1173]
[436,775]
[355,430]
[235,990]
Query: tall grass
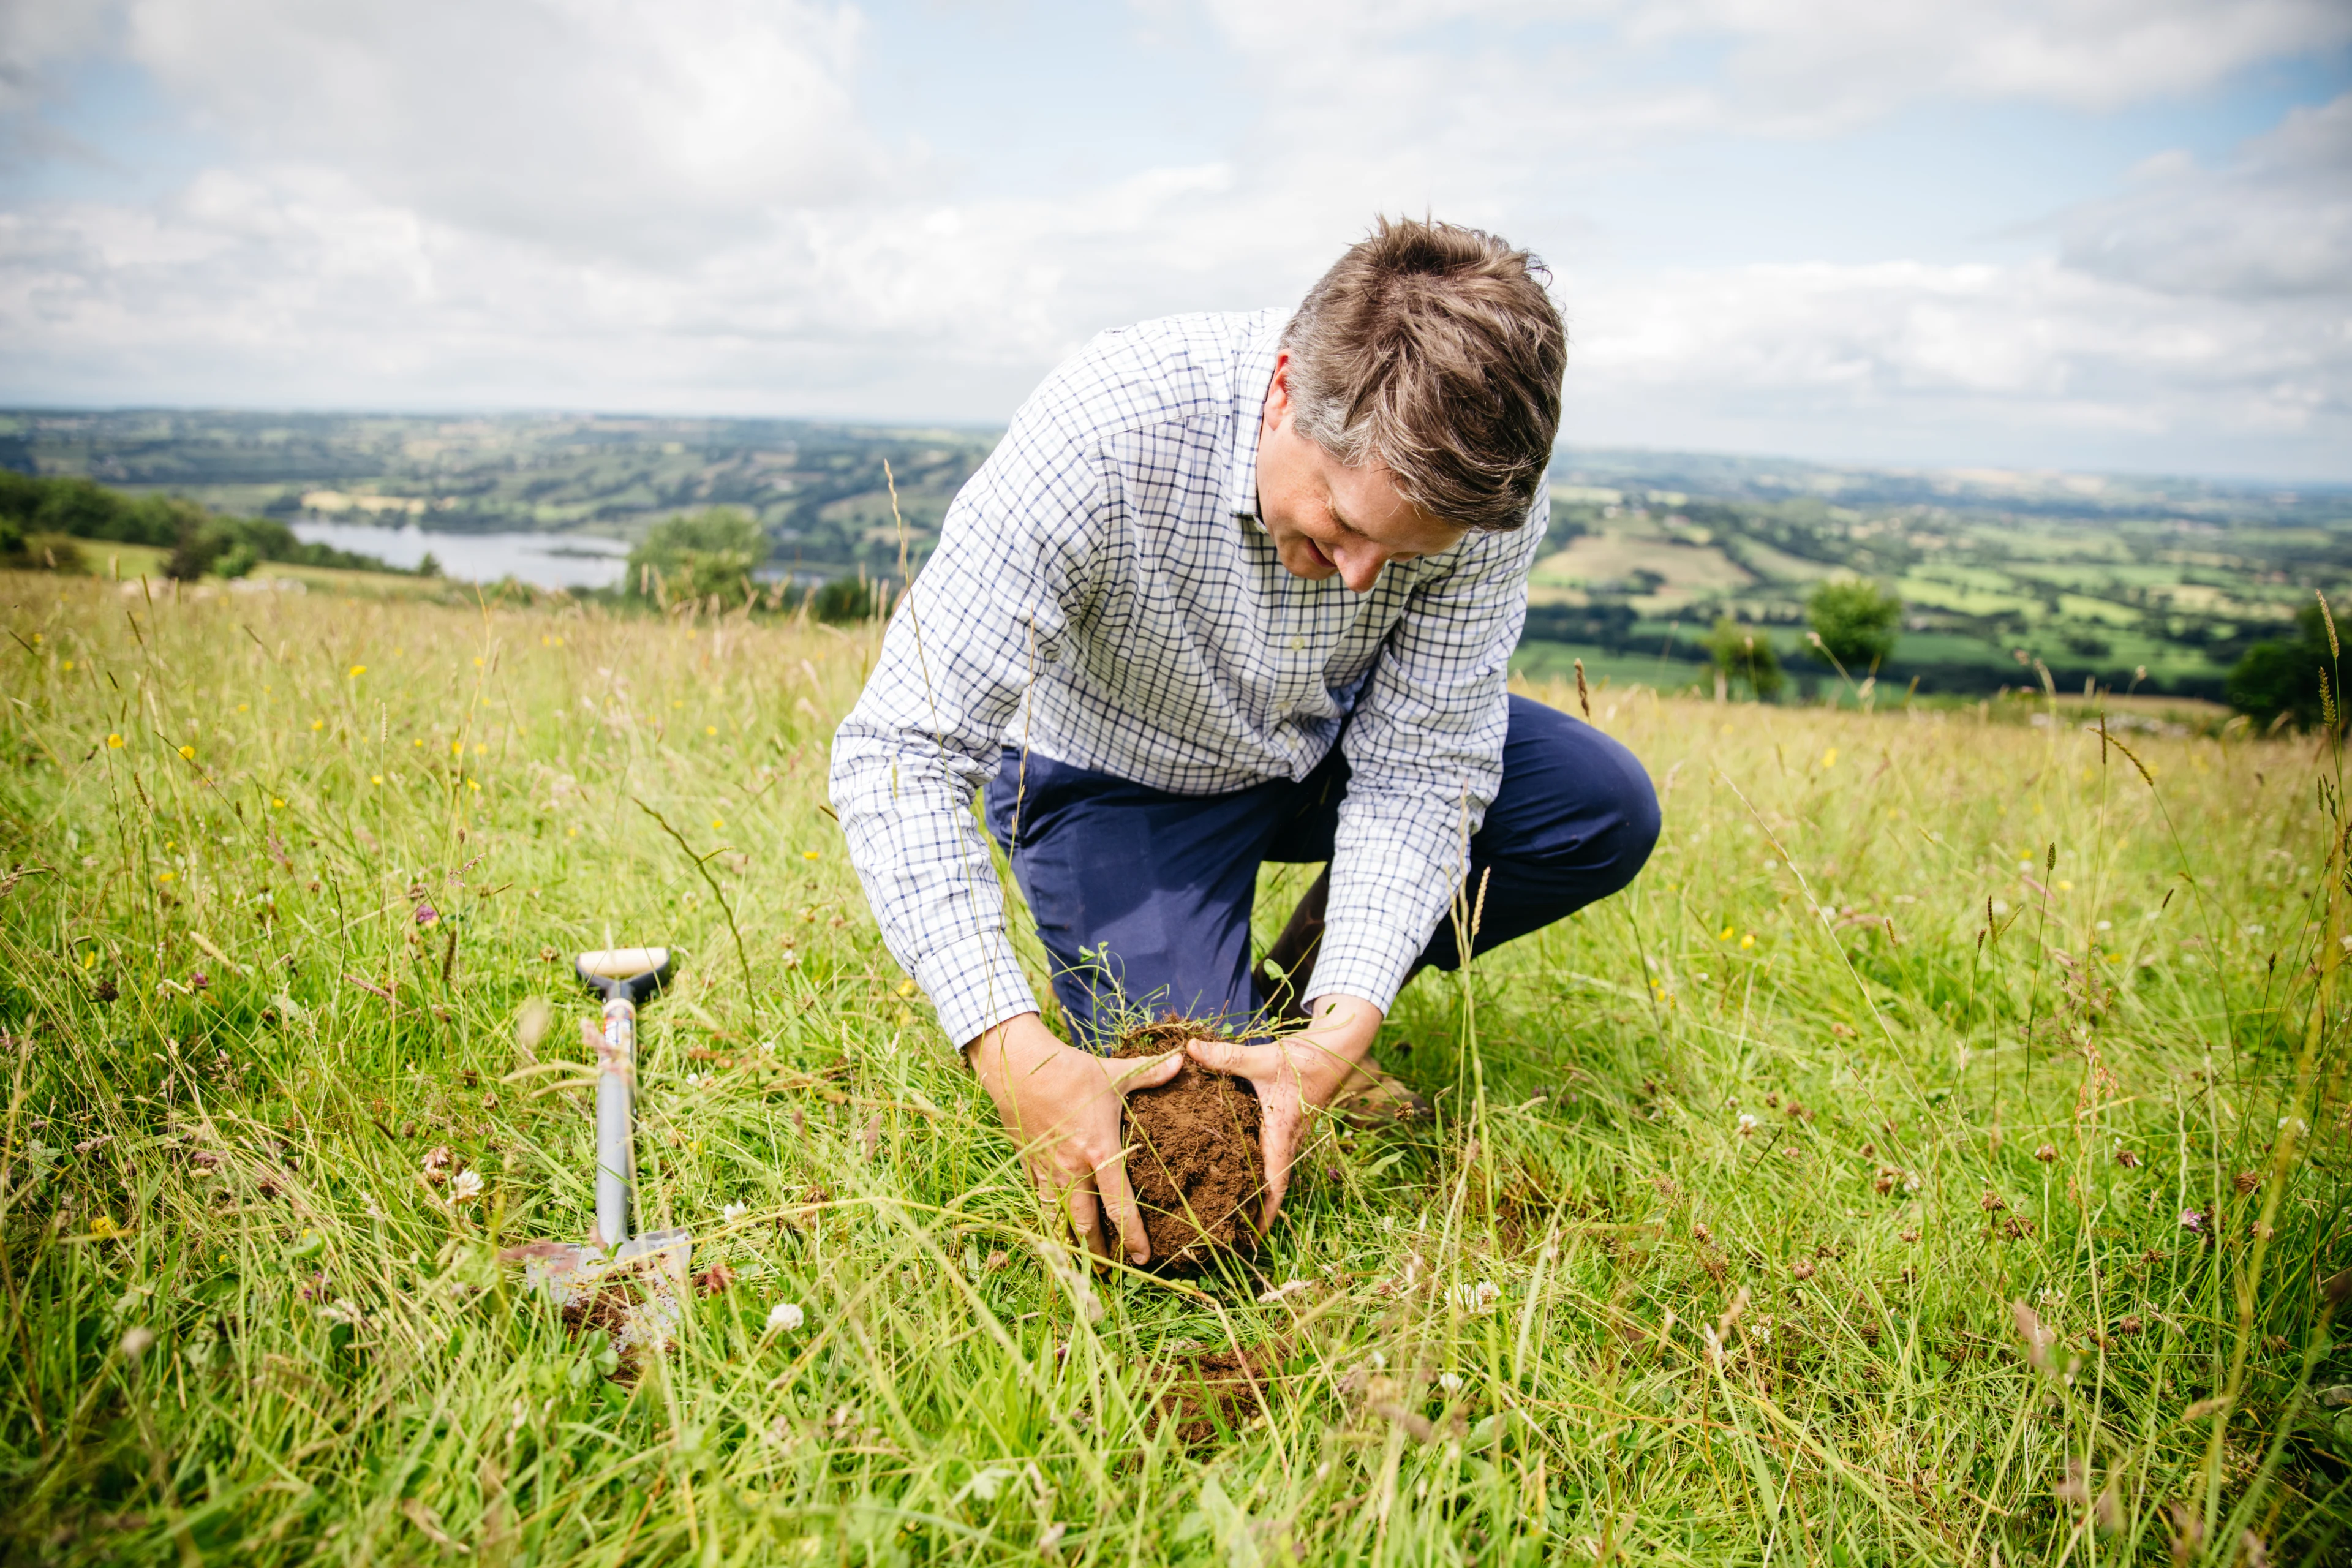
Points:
[1936,1156]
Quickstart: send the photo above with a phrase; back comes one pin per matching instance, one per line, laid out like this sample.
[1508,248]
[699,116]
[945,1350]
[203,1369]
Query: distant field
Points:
[1938,1155]
[2099,577]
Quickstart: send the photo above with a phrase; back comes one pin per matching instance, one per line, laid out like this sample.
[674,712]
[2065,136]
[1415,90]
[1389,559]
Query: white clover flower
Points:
[1449,1382]
[1479,1298]
[733,1212]
[785,1316]
[466,1187]
[1747,1125]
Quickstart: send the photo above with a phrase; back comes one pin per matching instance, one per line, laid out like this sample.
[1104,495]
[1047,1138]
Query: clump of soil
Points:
[1197,1166]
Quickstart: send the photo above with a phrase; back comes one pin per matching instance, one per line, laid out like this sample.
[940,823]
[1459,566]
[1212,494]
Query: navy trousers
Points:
[1143,898]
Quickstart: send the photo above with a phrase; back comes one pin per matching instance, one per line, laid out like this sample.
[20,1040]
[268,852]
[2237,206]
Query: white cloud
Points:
[686,206]
[590,126]
[2276,223]
[1833,59]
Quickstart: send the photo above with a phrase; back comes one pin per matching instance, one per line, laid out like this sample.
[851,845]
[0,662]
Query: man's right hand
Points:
[1062,1108]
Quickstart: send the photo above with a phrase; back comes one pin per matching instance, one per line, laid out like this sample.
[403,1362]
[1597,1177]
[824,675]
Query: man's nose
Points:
[1361,568]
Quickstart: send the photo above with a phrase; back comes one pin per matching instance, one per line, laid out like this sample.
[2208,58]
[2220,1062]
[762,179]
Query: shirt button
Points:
[1298,644]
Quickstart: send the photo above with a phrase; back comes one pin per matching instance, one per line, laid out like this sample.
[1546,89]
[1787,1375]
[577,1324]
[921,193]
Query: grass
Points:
[1820,1200]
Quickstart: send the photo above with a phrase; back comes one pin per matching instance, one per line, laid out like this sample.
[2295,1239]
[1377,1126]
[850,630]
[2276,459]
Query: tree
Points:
[696,555]
[2278,679]
[1857,623]
[1745,653]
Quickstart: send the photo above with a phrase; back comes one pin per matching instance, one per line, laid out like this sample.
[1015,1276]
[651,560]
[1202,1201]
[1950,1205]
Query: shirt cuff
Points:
[1364,960]
[975,983]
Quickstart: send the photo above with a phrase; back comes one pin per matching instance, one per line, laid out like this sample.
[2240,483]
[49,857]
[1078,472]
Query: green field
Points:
[1936,1157]
[2136,584]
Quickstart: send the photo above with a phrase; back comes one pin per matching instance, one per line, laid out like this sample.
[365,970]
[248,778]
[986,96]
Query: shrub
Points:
[1745,653]
[843,599]
[2280,680]
[696,555]
[1857,623]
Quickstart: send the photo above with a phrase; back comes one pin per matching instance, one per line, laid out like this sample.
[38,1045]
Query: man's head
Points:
[1416,397]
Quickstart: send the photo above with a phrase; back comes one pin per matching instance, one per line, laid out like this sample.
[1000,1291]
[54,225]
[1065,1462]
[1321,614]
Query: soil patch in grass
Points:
[1197,1166]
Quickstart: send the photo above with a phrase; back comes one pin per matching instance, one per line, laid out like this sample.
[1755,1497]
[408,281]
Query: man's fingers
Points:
[1119,1207]
[1145,1072]
[1278,1135]
[1222,1056]
[1086,1216]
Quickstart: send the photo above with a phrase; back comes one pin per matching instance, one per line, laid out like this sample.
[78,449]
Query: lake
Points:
[542,560]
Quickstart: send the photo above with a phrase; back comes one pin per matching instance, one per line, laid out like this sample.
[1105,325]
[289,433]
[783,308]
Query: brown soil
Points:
[1197,1168]
[1219,1392]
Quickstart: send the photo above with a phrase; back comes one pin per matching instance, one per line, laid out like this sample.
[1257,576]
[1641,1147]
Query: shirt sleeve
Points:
[991,607]
[1424,752]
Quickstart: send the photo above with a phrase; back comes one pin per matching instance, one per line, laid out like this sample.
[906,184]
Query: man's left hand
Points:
[1296,1075]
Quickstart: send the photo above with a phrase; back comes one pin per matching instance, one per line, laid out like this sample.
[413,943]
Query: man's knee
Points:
[1576,806]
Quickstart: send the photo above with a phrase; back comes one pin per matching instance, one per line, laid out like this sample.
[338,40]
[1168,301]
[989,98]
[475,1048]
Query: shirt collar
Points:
[1252,372]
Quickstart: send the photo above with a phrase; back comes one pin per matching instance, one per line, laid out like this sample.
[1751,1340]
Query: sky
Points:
[2092,235]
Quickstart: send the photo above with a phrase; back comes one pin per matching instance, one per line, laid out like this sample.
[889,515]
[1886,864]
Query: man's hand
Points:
[1062,1108]
[1295,1075]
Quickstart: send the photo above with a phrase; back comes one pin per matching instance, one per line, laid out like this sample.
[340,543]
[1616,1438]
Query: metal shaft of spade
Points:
[623,977]
[616,1157]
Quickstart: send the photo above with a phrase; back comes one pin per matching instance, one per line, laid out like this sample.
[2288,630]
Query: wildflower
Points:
[200,980]
[426,914]
[435,1166]
[466,1187]
[1747,1125]
[734,1211]
[1992,1203]
[135,1341]
[710,729]
[785,1316]
[114,742]
[189,752]
[277,803]
[1803,1268]
[317,724]
[2246,1182]
[716,823]
[1482,1297]
[375,778]
[1725,936]
[357,670]
[808,854]
[1450,1381]
[1748,939]
[2128,1160]
[1829,758]
[2046,1152]
[163,876]
[1907,1237]
[103,1228]
[2192,1220]
[792,959]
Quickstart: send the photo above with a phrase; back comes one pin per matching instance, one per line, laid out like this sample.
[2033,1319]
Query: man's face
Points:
[1325,516]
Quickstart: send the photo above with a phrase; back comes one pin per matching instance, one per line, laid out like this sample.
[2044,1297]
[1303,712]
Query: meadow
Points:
[1937,1156]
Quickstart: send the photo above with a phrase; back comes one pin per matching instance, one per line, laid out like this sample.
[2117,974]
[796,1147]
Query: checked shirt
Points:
[1103,594]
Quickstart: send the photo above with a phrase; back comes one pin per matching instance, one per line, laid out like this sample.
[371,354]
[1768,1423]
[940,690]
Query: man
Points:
[1236,588]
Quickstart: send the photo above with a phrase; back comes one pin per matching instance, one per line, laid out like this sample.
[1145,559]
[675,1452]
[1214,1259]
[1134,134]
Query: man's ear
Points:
[1277,392]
